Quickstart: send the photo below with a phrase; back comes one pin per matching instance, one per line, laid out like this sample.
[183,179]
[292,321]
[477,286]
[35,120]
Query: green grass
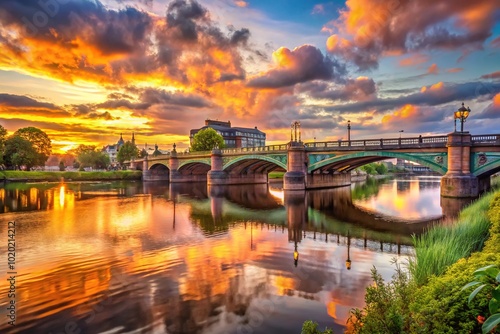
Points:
[276,175]
[443,245]
[74,176]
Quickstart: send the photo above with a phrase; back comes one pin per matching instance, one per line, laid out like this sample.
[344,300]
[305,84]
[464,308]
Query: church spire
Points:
[133,139]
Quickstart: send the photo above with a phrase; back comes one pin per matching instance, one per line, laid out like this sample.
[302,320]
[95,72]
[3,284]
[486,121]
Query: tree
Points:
[89,157]
[127,152]
[143,153]
[3,135]
[206,140]
[381,169]
[40,141]
[20,152]
[62,167]
[93,159]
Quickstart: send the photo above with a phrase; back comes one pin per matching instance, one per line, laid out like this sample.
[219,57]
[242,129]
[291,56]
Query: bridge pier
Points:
[459,182]
[317,181]
[296,176]
[216,175]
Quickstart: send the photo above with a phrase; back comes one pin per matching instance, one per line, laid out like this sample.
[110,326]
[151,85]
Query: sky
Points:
[85,71]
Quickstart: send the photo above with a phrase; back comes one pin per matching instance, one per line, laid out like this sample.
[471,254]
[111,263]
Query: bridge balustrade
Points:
[283,147]
[485,140]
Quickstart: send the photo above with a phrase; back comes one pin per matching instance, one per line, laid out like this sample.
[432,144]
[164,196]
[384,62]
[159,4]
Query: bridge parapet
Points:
[282,147]
[376,144]
[485,140]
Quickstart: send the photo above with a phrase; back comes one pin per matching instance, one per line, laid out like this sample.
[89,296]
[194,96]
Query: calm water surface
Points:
[135,257]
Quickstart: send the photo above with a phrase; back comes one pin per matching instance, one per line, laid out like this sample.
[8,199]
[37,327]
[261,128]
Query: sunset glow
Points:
[96,69]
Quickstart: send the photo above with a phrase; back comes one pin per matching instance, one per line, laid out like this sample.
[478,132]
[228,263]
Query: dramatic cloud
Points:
[159,96]
[367,29]
[301,64]
[491,111]
[359,89]
[91,42]
[434,95]
[10,100]
[122,103]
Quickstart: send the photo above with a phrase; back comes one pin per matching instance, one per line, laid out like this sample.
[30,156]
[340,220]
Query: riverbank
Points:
[429,297]
[22,176]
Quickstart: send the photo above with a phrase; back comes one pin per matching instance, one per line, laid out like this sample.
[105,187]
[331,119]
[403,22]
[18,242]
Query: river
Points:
[132,257]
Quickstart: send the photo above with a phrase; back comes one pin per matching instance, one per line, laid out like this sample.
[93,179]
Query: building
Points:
[112,150]
[234,136]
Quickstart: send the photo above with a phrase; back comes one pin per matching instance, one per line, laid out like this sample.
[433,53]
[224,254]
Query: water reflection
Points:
[411,198]
[128,256]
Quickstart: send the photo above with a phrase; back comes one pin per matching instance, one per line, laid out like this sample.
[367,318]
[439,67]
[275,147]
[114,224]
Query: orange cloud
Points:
[496,100]
[413,60]
[241,3]
[433,69]
[378,28]
[454,70]
[407,111]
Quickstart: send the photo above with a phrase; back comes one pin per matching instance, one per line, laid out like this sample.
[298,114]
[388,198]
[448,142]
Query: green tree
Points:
[206,140]
[127,152]
[20,152]
[143,153]
[89,157]
[381,169]
[62,167]
[3,135]
[310,327]
[369,169]
[40,141]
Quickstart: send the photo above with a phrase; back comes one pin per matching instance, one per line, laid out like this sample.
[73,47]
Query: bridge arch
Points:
[488,170]
[159,166]
[194,168]
[351,161]
[252,164]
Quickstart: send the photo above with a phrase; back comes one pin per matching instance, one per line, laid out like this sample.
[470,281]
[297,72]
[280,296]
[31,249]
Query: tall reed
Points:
[443,245]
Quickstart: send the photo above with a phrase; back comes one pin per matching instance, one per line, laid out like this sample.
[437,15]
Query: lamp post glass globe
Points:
[462,114]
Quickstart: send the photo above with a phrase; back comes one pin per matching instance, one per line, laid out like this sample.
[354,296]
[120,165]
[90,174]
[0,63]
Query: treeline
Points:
[31,147]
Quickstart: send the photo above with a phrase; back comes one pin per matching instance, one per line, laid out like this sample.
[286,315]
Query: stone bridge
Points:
[466,162]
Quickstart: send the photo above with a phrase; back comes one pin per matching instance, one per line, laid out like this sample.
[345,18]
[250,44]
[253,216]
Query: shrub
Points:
[441,305]
[386,309]
[310,327]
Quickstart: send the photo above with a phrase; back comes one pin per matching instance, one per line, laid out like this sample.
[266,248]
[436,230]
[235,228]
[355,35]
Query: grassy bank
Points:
[276,175]
[444,245]
[21,176]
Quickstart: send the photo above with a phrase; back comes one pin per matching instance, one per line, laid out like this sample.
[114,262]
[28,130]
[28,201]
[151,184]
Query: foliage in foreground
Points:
[310,327]
[487,277]
[387,306]
[440,305]
[443,245]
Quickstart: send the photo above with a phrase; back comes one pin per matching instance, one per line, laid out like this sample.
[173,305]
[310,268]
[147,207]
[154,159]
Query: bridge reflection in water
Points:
[184,258]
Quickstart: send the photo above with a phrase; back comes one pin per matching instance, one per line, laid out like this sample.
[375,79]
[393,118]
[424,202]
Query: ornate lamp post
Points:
[349,130]
[295,127]
[462,114]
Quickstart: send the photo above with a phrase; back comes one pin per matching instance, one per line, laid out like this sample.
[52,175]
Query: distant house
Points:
[112,150]
[234,136]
